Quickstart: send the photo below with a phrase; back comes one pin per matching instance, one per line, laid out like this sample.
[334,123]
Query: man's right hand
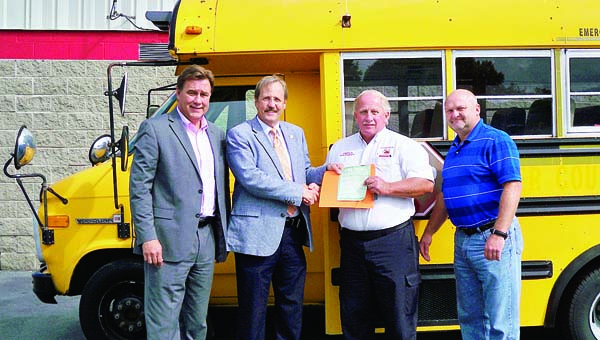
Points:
[424,246]
[310,194]
[152,251]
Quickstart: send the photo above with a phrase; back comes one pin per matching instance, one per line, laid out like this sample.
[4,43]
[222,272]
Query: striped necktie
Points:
[285,163]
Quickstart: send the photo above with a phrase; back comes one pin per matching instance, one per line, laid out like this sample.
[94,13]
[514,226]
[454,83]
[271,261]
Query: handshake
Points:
[310,194]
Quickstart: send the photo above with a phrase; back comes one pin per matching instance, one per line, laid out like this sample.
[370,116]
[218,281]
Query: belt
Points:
[293,221]
[480,229]
[204,221]
[369,235]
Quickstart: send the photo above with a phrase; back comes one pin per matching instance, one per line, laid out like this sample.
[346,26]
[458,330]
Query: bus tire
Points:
[583,317]
[112,302]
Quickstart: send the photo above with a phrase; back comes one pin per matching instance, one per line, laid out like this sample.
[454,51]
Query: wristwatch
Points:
[500,233]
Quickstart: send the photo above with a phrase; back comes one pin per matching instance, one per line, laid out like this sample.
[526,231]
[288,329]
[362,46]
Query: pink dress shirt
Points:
[203,151]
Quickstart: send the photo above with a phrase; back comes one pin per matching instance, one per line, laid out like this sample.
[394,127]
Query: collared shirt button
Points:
[199,191]
[198,215]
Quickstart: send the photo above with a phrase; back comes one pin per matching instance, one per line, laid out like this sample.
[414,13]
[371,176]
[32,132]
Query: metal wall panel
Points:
[78,14]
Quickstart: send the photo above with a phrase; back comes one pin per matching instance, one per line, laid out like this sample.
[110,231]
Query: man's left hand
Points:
[493,247]
[377,185]
[337,167]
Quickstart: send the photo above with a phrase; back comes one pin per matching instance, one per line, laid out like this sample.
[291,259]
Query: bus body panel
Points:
[91,215]
[419,24]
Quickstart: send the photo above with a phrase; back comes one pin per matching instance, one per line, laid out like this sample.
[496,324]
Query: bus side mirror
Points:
[100,150]
[121,93]
[124,148]
[24,148]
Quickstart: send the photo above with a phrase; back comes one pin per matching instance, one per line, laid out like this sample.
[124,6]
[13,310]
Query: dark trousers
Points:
[379,277]
[286,268]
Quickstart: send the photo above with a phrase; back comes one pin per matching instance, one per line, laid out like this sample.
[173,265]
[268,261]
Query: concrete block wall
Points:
[63,103]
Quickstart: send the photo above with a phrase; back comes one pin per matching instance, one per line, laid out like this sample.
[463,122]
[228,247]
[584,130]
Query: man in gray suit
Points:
[179,189]
[270,220]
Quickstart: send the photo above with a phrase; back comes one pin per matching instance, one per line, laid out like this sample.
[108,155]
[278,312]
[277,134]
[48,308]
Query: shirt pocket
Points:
[388,169]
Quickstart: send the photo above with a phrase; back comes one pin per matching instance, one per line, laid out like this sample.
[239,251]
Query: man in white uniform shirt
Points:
[379,248]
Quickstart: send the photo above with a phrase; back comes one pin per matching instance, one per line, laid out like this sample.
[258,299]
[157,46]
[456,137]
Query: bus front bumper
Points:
[43,287]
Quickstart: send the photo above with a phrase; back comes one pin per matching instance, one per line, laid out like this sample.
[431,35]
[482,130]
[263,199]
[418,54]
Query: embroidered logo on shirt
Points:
[385,151]
[346,154]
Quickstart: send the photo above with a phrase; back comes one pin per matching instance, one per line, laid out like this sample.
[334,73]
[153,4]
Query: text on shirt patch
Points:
[385,151]
[346,154]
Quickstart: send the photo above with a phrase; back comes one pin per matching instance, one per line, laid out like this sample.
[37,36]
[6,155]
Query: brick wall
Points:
[62,102]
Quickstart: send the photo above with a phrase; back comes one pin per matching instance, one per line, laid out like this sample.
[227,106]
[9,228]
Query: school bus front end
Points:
[84,228]
[83,231]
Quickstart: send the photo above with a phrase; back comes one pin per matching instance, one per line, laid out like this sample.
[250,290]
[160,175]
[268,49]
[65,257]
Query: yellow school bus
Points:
[533,65]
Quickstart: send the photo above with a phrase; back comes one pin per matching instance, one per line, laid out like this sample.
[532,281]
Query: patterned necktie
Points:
[285,163]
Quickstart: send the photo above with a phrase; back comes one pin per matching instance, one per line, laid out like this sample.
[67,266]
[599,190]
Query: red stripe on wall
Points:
[76,45]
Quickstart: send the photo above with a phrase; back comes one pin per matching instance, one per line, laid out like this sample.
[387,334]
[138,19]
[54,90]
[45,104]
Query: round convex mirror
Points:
[24,147]
[100,150]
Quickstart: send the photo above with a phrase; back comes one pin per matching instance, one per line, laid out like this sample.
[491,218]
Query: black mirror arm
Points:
[19,178]
[47,234]
[43,225]
[62,199]
[110,95]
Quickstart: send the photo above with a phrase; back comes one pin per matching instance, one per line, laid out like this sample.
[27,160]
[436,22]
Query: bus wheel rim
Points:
[594,317]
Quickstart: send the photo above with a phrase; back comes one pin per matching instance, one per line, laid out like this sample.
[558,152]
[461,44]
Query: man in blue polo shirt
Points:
[480,193]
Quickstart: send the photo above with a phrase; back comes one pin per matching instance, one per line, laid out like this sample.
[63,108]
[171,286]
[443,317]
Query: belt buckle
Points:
[470,231]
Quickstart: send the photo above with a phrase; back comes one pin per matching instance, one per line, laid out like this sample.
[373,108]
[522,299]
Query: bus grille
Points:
[437,303]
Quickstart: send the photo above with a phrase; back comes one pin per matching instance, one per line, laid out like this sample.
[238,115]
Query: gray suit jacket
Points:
[166,190]
[261,194]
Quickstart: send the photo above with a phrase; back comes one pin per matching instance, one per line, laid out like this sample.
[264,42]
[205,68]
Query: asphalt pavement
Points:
[24,317]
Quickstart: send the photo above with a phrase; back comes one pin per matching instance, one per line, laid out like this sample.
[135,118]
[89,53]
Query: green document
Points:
[351,184]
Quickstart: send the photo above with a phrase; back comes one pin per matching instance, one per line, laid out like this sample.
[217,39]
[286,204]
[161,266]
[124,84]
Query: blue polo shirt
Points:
[474,172]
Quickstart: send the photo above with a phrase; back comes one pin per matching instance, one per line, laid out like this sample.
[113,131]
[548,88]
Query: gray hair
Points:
[385,104]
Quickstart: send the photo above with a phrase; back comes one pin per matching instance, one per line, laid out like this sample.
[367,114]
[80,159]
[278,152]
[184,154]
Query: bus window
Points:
[412,82]
[231,105]
[583,90]
[539,117]
[513,88]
